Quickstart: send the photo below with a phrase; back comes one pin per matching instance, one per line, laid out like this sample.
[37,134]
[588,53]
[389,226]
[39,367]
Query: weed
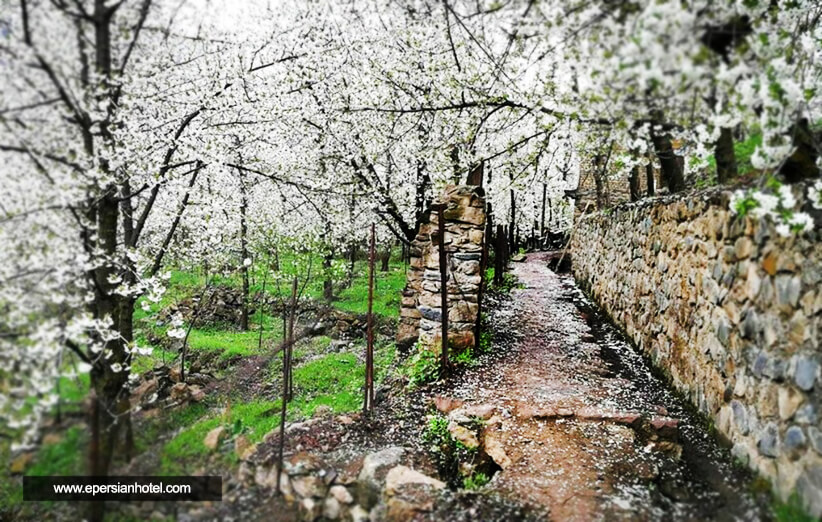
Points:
[475,481]
[791,511]
[423,367]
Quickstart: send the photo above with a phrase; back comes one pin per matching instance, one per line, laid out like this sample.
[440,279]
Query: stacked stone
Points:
[731,311]
[421,311]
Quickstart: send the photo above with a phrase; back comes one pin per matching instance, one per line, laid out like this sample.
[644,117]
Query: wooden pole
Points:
[443,289]
[290,341]
[368,403]
[499,256]
[262,305]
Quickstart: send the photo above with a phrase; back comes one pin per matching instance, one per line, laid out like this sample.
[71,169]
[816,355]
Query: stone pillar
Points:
[420,313]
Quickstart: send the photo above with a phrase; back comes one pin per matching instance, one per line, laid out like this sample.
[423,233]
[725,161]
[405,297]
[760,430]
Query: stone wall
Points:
[731,312]
[421,313]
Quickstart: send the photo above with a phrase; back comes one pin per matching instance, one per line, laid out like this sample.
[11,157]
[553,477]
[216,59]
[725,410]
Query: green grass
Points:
[387,289]
[234,343]
[186,451]
[791,511]
[64,457]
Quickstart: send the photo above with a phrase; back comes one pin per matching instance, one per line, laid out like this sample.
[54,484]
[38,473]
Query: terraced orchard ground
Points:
[590,433]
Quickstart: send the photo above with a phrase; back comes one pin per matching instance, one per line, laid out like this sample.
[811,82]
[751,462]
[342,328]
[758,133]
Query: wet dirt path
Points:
[590,432]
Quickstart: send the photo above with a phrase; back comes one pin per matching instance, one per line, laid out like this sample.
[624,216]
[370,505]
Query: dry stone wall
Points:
[731,312]
[421,311]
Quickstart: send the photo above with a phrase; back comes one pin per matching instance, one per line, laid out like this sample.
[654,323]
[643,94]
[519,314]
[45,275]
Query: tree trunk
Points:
[385,259]
[725,156]
[542,215]
[649,176]
[802,163]
[244,251]
[671,168]
[633,183]
[328,283]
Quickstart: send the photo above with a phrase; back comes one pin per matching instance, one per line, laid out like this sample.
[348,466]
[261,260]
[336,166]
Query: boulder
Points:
[494,449]
[214,437]
[463,435]
[400,476]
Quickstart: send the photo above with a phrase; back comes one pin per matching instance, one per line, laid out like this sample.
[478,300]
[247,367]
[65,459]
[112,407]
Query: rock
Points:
[447,404]
[180,392]
[401,510]
[809,487]
[769,263]
[494,449]
[789,401]
[805,374]
[331,508]
[805,414]
[518,258]
[479,411]
[308,486]
[323,411]
[740,417]
[374,464]
[358,514]
[815,436]
[243,447]
[197,393]
[768,442]
[145,390]
[743,248]
[463,435]
[309,509]
[795,442]
[372,475]
[214,437]
[753,282]
[665,427]
[400,476]
[787,290]
[341,494]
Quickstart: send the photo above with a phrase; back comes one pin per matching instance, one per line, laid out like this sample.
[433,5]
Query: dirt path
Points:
[591,433]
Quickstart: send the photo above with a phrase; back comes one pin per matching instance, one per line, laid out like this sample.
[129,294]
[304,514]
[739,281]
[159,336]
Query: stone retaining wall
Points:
[421,311]
[730,311]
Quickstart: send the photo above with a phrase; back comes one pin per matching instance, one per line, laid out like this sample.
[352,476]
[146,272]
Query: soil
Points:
[592,432]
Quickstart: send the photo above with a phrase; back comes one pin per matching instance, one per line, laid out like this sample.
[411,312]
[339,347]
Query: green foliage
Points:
[508,283]
[475,481]
[387,290]
[233,343]
[64,457]
[485,340]
[422,367]
[743,150]
[791,511]
[335,380]
[186,450]
[436,432]
[745,205]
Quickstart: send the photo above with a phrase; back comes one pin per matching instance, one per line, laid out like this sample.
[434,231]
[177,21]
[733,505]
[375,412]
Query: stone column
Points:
[421,314]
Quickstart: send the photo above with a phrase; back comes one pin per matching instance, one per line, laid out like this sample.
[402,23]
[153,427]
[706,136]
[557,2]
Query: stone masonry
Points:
[421,313]
[731,311]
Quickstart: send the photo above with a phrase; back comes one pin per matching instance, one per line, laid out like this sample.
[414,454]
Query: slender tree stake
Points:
[290,342]
[443,289]
[262,304]
[368,403]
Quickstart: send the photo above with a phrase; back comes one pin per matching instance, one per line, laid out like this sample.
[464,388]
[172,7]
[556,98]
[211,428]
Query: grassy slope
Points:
[333,380]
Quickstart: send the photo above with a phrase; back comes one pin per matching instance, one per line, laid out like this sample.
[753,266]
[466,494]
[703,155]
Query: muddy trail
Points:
[591,432]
